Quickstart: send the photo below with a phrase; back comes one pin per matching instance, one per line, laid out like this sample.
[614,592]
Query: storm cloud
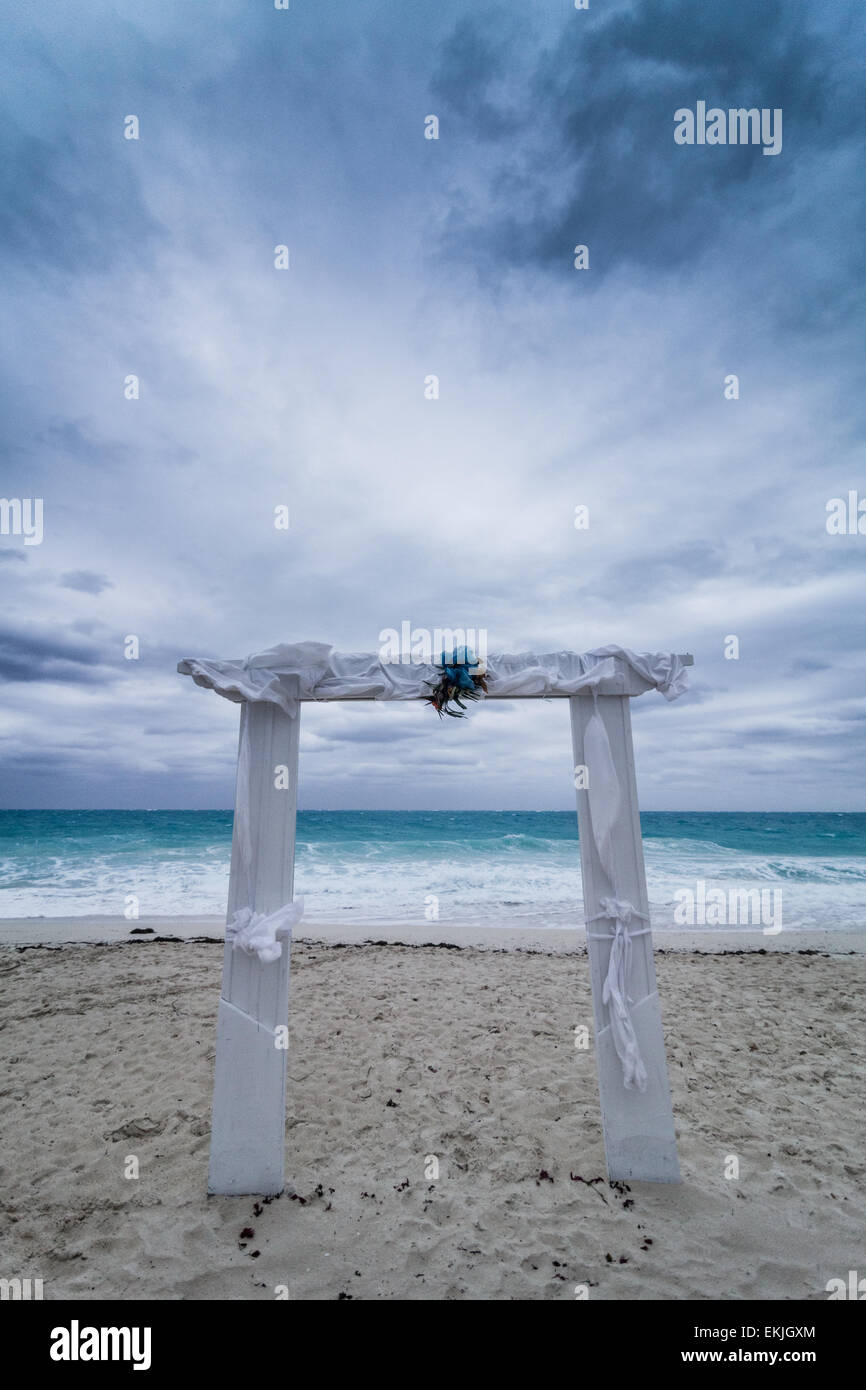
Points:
[166,387]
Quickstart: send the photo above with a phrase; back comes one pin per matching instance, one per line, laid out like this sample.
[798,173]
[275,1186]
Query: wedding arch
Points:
[248,1131]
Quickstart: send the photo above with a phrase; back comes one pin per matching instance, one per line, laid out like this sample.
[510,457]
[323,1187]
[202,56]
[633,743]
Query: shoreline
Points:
[107,930]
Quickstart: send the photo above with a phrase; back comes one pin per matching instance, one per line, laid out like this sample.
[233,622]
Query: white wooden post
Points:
[249,1103]
[638,1126]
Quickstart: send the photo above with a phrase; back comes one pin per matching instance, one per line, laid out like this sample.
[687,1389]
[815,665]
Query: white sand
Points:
[107,1052]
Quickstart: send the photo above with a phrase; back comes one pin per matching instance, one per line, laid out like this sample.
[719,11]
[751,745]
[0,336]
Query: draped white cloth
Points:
[604,807]
[261,935]
[325,674]
[615,989]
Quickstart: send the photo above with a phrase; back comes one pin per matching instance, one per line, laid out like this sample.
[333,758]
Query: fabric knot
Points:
[262,935]
[620,909]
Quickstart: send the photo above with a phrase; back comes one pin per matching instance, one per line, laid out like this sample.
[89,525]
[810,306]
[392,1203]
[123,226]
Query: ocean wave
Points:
[478,867]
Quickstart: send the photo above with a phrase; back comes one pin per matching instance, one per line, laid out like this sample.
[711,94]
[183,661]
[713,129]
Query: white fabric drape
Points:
[603,788]
[615,989]
[325,674]
[260,935]
[256,933]
[603,791]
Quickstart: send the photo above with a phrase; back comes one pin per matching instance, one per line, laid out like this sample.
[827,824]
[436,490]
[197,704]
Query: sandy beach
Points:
[462,1053]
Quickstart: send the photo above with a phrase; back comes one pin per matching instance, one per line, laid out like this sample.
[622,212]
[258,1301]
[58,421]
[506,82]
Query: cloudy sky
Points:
[305,387]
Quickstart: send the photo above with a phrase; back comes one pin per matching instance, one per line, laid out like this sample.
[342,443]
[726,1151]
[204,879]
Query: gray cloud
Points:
[41,202]
[45,656]
[85,581]
[592,158]
[412,257]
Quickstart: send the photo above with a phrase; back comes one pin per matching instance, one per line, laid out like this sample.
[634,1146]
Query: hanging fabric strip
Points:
[603,789]
[604,807]
[615,992]
[255,933]
[242,800]
[260,935]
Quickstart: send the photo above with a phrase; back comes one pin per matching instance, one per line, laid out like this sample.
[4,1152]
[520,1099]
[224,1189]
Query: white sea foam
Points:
[498,879]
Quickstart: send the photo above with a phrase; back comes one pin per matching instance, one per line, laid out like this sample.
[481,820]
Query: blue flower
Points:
[458,666]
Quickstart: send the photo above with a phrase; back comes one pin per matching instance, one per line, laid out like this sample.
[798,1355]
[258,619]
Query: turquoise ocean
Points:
[507,868]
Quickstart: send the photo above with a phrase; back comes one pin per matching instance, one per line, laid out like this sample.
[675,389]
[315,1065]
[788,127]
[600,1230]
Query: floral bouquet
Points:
[463,677]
